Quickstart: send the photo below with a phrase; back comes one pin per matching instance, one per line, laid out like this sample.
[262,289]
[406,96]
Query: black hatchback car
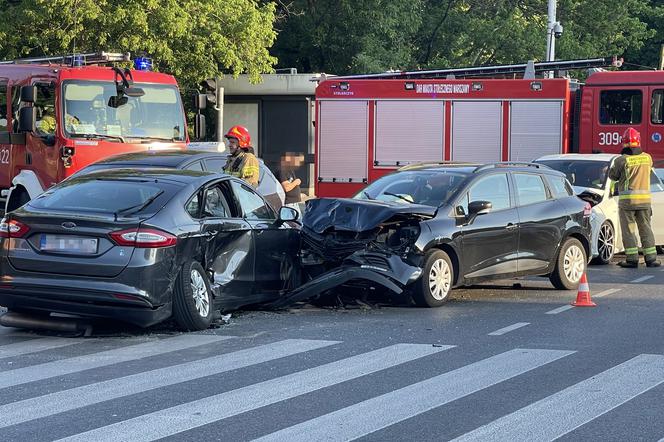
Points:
[141,245]
[428,228]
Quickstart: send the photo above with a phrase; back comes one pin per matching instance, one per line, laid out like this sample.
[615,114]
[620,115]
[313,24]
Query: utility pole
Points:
[554,30]
[550,23]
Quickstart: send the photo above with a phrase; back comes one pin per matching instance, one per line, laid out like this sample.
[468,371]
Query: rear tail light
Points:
[143,238]
[12,229]
[587,210]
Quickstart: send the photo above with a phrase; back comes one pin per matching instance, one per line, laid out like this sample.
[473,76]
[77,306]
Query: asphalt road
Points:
[495,363]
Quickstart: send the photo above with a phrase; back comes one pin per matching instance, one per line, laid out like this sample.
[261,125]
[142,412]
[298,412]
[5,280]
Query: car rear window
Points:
[105,196]
[581,173]
[559,186]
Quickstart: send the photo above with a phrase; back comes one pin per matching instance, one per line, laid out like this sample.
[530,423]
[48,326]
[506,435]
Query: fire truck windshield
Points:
[156,116]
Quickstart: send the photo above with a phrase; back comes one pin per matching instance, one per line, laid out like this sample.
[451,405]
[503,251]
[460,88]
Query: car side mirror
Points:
[287,214]
[476,208]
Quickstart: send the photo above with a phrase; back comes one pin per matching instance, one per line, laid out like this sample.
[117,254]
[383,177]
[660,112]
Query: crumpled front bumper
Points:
[371,268]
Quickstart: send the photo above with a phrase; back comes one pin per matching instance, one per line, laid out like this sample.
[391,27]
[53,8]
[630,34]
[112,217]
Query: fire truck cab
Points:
[611,102]
[60,114]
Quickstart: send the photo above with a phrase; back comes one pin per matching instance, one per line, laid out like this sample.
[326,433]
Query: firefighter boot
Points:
[628,264]
[653,263]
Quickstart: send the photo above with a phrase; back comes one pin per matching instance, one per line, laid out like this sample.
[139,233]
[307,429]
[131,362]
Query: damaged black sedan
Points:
[142,245]
[428,228]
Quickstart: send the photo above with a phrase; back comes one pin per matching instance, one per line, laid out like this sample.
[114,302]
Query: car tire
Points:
[606,244]
[570,265]
[433,288]
[192,298]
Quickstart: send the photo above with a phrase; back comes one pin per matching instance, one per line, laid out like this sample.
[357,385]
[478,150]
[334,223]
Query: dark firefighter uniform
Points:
[632,175]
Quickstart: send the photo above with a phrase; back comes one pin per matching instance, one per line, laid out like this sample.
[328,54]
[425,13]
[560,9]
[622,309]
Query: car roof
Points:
[151,173]
[468,168]
[161,158]
[603,157]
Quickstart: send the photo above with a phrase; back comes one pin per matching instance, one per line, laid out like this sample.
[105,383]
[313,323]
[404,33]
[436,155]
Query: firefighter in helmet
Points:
[242,162]
[631,171]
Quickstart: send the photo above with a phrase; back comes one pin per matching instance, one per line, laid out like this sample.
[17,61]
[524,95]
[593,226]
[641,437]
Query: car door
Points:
[542,221]
[657,194]
[489,241]
[225,242]
[277,244]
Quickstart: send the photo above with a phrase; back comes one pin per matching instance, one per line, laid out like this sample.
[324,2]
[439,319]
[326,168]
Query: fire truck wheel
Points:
[193,307]
[434,286]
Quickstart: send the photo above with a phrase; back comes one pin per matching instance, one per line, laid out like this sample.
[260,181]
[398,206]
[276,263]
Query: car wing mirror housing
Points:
[287,214]
[477,208]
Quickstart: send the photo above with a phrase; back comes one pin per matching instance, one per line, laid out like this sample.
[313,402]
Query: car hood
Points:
[359,215]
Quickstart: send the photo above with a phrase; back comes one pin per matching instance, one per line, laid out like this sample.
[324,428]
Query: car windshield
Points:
[157,115]
[588,174]
[101,195]
[428,187]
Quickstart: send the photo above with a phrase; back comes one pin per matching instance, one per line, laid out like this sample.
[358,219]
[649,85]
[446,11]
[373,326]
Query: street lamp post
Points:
[554,30]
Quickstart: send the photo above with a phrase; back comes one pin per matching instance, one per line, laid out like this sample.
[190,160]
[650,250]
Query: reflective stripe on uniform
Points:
[632,251]
[623,196]
[250,171]
[650,251]
[635,192]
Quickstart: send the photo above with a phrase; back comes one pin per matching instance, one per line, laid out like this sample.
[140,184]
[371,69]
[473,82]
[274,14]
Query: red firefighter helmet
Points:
[631,138]
[241,134]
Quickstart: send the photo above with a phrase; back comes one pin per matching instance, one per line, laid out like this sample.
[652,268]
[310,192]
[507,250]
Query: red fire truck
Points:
[369,125]
[59,114]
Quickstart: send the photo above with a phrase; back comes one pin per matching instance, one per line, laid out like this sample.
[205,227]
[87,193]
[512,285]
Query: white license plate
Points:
[68,244]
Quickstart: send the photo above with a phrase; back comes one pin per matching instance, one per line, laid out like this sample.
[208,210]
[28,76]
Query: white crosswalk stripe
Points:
[36,345]
[47,405]
[194,414]
[62,367]
[374,414]
[567,410]
[549,418]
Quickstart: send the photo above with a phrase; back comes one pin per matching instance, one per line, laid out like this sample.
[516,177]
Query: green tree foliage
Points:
[349,35]
[344,36]
[192,39]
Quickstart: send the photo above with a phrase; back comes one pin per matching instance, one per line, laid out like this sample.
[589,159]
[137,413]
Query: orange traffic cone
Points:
[583,296]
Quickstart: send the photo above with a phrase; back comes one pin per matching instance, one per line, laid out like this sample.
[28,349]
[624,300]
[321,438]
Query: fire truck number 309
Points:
[609,138]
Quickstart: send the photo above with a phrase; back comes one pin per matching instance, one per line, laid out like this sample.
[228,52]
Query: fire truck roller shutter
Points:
[477,131]
[424,119]
[342,147]
[535,129]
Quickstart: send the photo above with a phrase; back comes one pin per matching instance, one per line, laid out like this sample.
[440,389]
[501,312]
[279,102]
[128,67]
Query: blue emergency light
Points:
[143,64]
[77,60]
